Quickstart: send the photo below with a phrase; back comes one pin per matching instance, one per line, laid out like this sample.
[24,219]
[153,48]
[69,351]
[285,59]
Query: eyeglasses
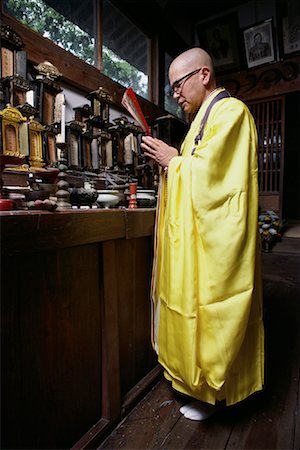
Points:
[178,84]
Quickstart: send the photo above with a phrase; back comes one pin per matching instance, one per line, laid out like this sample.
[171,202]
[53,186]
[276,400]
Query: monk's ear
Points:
[206,74]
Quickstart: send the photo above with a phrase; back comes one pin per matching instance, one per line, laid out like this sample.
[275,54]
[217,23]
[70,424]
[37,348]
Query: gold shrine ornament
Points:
[36,145]
[11,119]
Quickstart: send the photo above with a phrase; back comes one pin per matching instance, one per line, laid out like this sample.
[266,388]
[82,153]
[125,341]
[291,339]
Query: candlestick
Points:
[132,195]
[62,194]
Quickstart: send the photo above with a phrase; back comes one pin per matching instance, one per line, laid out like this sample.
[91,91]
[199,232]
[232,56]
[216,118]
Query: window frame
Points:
[81,75]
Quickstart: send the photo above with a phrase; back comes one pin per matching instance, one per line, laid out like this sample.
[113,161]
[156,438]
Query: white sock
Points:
[197,410]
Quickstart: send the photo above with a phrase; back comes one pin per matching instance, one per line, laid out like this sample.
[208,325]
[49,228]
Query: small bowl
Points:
[145,199]
[108,198]
[33,195]
[83,197]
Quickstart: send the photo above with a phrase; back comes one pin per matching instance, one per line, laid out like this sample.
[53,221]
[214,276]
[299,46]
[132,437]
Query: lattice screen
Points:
[269,119]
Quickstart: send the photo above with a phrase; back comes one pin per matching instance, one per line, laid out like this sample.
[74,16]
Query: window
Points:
[69,23]
[125,51]
[170,104]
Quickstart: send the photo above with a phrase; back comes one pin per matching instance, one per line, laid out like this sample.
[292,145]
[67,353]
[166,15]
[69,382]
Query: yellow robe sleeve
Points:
[207,269]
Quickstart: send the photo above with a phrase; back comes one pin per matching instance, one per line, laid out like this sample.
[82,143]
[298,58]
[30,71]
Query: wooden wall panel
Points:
[51,341]
[125,256]
[110,332]
[144,354]
[134,260]
[269,202]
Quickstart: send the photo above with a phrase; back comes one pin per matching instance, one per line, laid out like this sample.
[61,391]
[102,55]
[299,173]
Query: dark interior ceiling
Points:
[198,9]
[151,12]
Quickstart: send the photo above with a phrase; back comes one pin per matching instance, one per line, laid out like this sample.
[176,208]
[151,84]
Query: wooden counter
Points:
[75,321]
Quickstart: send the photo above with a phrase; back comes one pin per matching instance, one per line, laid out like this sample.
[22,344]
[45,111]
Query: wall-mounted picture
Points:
[220,38]
[291,34]
[259,44]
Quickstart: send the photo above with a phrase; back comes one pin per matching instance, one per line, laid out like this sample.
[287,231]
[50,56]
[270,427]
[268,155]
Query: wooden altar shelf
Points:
[75,322]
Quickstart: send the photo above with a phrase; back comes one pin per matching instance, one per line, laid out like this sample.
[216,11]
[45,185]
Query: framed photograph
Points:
[259,44]
[291,34]
[220,38]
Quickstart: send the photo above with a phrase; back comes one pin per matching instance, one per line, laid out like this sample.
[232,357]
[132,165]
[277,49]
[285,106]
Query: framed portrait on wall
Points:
[220,38]
[291,34]
[259,44]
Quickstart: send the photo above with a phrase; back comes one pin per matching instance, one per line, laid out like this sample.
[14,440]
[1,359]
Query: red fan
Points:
[130,102]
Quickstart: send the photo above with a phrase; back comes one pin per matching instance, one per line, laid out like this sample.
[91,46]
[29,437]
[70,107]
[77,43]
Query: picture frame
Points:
[220,38]
[259,43]
[291,35]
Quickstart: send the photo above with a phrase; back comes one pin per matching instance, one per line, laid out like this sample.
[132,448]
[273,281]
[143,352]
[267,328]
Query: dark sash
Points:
[219,96]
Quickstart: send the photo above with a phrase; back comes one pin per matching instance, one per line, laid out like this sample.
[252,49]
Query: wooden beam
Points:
[99,33]
[267,81]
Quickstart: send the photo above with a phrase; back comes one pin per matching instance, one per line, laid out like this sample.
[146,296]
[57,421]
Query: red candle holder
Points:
[132,195]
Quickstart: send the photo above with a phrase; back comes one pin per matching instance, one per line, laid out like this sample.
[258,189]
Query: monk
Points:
[206,284]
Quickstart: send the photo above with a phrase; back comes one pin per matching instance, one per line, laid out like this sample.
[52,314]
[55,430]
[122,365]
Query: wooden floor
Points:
[269,420]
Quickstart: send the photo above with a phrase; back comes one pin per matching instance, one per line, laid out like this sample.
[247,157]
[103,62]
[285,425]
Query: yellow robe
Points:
[206,284]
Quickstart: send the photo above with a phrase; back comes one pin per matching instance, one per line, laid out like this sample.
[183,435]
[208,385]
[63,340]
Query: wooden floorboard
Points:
[148,424]
[268,420]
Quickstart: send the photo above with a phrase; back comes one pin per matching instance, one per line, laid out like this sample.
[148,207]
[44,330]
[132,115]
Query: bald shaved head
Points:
[192,59]
[192,78]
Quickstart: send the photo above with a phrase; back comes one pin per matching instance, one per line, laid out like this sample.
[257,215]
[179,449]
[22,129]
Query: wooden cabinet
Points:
[75,321]
[269,116]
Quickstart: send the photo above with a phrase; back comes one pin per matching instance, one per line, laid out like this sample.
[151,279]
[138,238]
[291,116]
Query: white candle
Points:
[135,144]
[74,150]
[30,97]
[128,146]
[63,122]
[60,115]
[58,138]
[109,155]
[95,154]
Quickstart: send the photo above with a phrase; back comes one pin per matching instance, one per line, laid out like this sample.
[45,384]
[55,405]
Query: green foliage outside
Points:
[124,73]
[49,23]
[172,107]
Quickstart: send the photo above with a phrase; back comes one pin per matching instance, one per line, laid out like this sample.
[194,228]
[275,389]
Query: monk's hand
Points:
[158,150]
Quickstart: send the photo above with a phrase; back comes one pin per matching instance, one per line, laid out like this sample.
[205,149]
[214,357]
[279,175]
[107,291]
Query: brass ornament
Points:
[47,70]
